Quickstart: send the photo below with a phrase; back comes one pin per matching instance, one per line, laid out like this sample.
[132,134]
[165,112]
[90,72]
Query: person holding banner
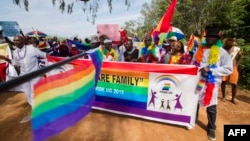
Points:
[236,56]
[174,56]
[25,57]
[165,48]
[213,63]
[131,53]
[109,52]
[150,53]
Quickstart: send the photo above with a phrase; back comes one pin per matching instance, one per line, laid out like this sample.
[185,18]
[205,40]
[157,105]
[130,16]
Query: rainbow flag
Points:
[63,99]
[193,43]
[166,19]
[166,86]
[81,46]
[97,58]
[200,85]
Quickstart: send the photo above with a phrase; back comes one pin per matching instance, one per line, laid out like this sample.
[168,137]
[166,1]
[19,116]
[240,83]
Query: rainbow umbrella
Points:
[174,31]
[36,33]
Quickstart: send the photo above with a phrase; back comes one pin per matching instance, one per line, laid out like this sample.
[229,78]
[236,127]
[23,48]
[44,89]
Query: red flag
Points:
[151,32]
[123,35]
[166,19]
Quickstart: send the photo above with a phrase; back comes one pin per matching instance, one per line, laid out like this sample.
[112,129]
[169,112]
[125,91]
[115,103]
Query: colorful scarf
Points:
[214,55]
[172,59]
[185,59]
[146,57]
[107,53]
[104,51]
[177,59]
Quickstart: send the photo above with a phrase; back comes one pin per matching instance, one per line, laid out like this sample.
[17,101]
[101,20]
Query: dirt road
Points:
[104,126]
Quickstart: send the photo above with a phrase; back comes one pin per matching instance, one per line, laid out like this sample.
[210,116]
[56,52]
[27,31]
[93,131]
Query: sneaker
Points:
[26,119]
[211,135]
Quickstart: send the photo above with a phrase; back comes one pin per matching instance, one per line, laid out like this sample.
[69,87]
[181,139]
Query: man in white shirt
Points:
[25,57]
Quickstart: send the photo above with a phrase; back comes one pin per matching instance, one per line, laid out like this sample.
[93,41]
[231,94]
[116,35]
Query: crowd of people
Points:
[217,62]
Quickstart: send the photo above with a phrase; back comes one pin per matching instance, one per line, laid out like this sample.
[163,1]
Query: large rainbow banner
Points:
[158,92]
[64,96]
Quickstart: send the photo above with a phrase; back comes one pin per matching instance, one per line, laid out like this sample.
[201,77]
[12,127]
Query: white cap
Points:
[173,38]
[166,44]
[107,41]
[73,45]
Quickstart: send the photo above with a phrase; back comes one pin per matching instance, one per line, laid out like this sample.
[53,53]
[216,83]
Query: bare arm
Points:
[5,58]
[239,59]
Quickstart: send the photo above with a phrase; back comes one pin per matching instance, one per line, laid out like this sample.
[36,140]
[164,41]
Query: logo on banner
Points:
[165,94]
[169,84]
[166,87]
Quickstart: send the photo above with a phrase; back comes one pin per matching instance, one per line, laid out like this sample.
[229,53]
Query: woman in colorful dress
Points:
[177,55]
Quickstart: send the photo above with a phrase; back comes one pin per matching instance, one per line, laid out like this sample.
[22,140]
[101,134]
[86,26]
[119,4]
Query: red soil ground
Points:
[104,126]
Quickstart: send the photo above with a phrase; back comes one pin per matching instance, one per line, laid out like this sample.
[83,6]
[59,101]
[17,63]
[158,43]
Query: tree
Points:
[90,7]
[151,14]
[192,16]
[243,29]
[136,27]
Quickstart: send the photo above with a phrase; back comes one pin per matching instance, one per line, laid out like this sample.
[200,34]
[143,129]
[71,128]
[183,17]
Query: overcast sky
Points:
[44,17]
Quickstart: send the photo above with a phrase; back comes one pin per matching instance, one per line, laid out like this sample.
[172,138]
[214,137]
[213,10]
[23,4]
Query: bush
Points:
[240,42]
[244,68]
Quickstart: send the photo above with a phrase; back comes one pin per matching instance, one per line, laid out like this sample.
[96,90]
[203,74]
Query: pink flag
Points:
[111,30]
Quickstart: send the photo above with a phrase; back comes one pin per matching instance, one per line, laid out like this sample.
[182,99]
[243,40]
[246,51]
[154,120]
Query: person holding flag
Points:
[25,58]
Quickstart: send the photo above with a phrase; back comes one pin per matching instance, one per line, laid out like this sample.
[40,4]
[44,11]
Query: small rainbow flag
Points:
[193,43]
[61,100]
[166,86]
[200,85]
